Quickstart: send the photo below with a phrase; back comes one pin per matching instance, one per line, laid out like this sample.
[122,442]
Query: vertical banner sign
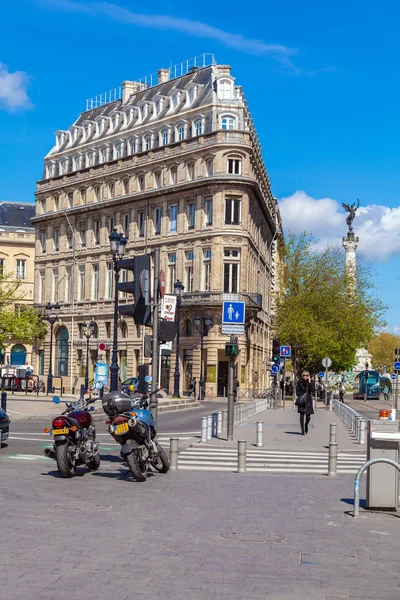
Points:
[168,308]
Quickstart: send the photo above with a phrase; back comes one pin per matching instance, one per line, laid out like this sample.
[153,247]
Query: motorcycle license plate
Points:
[4,435]
[118,429]
[60,431]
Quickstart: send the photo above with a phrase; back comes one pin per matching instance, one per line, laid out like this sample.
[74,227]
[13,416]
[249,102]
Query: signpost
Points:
[233,317]
[326,362]
[396,367]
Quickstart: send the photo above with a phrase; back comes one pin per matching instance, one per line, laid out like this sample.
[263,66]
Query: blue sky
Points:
[321,80]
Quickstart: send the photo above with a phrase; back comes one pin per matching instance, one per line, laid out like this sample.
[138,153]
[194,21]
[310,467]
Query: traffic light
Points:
[276,350]
[148,346]
[139,287]
[231,349]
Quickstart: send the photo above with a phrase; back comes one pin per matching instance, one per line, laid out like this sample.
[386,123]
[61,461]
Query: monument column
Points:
[350,243]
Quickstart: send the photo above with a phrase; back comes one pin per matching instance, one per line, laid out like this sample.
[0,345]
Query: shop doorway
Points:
[165,371]
[223,368]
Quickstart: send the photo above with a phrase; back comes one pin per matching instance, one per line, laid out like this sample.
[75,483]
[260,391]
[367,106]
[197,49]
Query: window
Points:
[42,287]
[55,286]
[147,140]
[231,271]
[157,179]
[191,215]
[174,176]
[82,235]
[198,127]
[234,166]
[118,150]
[43,241]
[61,352]
[110,225]
[103,155]
[56,240]
[123,279]
[165,137]
[181,132]
[157,220]
[207,269]
[141,183]
[126,226]
[141,222]
[21,269]
[69,241]
[1,267]
[96,232]
[95,281]
[171,272]
[190,171]
[68,284]
[233,211]
[189,271]
[133,146]
[125,187]
[228,123]
[97,193]
[173,214]
[111,190]
[83,196]
[70,199]
[41,362]
[81,282]
[208,211]
[225,89]
[209,167]
[56,203]
[109,282]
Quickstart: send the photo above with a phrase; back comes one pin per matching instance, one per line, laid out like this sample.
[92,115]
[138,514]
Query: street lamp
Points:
[202,327]
[88,331]
[117,249]
[51,314]
[178,288]
[366,381]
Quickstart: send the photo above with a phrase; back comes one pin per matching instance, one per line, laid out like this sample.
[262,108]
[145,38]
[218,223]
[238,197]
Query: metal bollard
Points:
[357,427]
[209,427]
[241,456]
[260,425]
[333,449]
[224,419]
[203,430]
[219,422]
[214,424]
[362,437]
[173,453]
[4,401]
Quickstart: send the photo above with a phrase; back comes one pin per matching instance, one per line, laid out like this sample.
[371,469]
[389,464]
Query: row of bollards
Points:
[213,425]
[333,451]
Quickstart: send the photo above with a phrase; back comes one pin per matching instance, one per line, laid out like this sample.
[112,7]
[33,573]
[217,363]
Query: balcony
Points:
[217,298]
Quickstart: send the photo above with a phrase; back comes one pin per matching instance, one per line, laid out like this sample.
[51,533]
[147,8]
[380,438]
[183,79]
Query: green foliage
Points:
[322,308]
[382,348]
[23,324]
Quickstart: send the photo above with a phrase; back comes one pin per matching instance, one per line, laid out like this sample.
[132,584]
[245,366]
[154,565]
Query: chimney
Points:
[128,88]
[163,75]
[223,70]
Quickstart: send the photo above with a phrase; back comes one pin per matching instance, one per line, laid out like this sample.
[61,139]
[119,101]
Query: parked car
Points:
[4,425]
[130,385]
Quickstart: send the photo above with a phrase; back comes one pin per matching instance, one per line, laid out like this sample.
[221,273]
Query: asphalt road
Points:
[27,438]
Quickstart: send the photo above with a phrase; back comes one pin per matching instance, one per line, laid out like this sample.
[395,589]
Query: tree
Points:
[323,309]
[24,324]
[382,348]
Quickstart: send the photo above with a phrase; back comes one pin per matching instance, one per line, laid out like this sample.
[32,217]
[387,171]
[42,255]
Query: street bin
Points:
[382,478]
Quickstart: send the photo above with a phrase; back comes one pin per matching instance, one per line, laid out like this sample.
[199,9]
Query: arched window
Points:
[189,328]
[228,122]
[124,329]
[198,127]
[18,355]
[61,355]
[225,89]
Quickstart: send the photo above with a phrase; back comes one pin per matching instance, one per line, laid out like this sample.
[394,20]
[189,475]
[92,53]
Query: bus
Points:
[371,385]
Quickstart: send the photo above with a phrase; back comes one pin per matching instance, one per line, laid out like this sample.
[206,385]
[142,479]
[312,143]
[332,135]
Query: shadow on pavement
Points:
[293,432]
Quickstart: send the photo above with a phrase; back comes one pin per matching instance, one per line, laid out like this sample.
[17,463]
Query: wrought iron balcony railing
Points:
[216,298]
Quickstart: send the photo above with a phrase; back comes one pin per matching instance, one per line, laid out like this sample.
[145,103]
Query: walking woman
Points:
[305,388]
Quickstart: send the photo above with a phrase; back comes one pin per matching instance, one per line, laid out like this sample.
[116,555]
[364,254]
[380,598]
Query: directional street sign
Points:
[396,365]
[285,352]
[321,374]
[232,329]
[393,376]
[233,313]
[275,368]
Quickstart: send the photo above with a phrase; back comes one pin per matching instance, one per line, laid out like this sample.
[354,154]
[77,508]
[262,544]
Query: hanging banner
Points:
[168,308]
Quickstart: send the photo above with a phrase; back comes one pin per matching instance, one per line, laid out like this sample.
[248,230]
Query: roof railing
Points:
[183,68]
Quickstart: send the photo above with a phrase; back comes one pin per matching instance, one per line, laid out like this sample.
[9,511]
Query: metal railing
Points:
[356,424]
[252,300]
[214,424]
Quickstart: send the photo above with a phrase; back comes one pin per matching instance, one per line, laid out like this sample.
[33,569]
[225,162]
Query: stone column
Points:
[350,244]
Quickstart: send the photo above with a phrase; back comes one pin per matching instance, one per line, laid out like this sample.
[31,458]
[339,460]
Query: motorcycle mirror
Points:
[56,400]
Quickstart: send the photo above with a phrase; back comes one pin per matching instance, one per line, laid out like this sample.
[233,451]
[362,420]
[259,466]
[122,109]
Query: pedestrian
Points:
[235,388]
[386,393]
[341,392]
[194,387]
[305,388]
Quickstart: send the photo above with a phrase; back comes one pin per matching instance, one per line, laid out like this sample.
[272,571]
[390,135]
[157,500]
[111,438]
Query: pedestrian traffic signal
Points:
[276,346]
[231,350]
[139,287]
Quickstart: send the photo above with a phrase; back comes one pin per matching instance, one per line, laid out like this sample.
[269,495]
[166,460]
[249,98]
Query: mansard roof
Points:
[16,214]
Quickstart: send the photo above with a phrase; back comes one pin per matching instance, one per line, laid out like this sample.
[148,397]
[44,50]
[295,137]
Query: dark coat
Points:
[309,387]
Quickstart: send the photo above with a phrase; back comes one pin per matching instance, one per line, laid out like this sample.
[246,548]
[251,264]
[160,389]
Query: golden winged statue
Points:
[352,213]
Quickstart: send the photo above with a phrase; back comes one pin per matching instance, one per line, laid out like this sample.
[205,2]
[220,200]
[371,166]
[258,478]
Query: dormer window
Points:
[133,146]
[198,127]
[147,142]
[118,150]
[164,137]
[225,89]
[228,122]
[181,132]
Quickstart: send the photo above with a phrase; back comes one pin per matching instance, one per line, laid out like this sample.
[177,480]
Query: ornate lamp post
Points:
[202,327]
[117,249]
[88,331]
[51,314]
[178,288]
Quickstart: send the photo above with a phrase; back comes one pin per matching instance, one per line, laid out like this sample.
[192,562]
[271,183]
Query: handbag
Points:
[301,401]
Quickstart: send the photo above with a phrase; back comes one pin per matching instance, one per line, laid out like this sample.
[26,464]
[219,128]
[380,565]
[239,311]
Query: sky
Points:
[321,80]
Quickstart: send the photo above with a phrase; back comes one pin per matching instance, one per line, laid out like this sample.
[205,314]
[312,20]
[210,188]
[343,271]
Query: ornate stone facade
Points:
[177,165]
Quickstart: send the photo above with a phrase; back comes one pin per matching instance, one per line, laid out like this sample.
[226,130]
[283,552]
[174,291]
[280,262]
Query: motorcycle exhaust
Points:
[137,427]
[50,453]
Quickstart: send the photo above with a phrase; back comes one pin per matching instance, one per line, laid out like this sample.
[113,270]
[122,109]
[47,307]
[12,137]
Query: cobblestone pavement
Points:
[189,536]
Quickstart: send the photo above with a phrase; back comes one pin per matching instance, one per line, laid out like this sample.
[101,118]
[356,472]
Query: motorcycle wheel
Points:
[94,463]
[136,467]
[65,464]
[161,464]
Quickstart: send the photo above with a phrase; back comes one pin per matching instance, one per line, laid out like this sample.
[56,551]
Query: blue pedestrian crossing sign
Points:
[233,313]
[285,352]
[393,376]
[275,368]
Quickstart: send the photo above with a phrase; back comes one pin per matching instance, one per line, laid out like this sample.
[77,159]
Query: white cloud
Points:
[13,89]
[378,227]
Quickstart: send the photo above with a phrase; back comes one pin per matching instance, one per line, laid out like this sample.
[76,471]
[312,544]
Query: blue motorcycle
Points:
[132,425]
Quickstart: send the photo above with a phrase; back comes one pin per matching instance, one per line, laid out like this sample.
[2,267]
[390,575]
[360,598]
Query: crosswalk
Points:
[267,461]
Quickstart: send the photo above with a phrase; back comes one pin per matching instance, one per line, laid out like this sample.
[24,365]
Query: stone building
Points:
[17,254]
[174,161]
